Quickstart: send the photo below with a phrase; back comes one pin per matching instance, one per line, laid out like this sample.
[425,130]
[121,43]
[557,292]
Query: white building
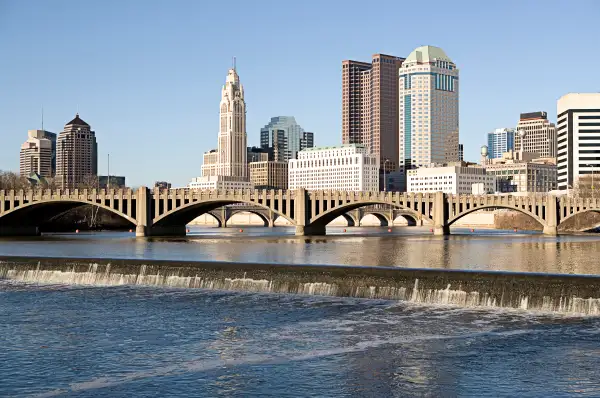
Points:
[578,137]
[346,168]
[219,182]
[36,154]
[428,109]
[226,166]
[454,179]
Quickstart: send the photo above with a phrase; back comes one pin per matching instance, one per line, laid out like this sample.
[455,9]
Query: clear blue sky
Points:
[147,75]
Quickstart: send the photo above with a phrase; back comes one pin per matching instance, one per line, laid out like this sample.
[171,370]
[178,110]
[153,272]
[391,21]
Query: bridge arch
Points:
[384,221]
[322,219]
[411,220]
[458,216]
[264,218]
[182,215]
[34,214]
[564,219]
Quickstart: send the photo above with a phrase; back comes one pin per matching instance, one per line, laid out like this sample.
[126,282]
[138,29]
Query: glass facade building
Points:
[500,141]
[285,137]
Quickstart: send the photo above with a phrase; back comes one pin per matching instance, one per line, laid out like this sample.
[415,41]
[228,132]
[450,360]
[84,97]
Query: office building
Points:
[112,182]
[500,141]
[256,154]
[461,153]
[76,154]
[578,137]
[226,166]
[348,167]
[269,174]
[457,178]
[536,134]
[285,137]
[370,107]
[523,172]
[162,185]
[428,109]
[38,154]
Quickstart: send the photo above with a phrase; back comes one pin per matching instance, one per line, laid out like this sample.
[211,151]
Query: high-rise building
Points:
[348,167]
[38,154]
[229,159]
[370,107]
[461,153]
[536,134]
[286,137]
[226,166]
[428,94]
[500,141]
[76,154]
[578,137]
[269,174]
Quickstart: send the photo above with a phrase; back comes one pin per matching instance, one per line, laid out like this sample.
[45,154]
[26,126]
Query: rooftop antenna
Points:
[234,68]
[42,117]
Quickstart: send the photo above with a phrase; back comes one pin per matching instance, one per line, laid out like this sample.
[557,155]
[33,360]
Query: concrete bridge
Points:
[166,212]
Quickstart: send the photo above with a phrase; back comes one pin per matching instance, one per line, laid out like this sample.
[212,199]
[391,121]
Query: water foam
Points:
[416,291]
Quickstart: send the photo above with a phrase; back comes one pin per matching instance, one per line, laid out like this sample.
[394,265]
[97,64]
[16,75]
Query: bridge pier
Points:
[441,230]
[310,230]
[551,231]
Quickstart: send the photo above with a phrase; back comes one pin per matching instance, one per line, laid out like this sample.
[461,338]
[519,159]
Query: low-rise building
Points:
[455,178]
[269,174]
[347,167]
[523,172]
[111,182]
[162,185]
[219,182]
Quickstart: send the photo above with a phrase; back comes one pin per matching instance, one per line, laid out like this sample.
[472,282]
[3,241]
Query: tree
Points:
[587,186]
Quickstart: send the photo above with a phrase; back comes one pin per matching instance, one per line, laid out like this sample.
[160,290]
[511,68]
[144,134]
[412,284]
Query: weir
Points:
[568,294]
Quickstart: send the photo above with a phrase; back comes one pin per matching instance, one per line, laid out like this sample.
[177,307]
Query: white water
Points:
[102,276]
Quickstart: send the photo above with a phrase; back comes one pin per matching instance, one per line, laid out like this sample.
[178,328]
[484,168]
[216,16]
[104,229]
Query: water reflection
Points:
[404,247]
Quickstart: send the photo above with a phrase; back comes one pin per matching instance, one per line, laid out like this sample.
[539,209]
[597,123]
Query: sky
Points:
[147,75]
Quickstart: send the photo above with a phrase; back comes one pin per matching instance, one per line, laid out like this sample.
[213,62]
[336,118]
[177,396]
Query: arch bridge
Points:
[167,212]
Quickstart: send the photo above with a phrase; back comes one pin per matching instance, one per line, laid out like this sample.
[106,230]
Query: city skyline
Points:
[166,103]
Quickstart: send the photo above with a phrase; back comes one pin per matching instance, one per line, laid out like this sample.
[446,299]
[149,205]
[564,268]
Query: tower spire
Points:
[234,66]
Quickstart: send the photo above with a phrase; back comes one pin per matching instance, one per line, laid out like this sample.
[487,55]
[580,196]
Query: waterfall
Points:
[558,293]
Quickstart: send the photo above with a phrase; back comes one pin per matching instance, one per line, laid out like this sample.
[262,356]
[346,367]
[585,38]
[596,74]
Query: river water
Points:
[141,341]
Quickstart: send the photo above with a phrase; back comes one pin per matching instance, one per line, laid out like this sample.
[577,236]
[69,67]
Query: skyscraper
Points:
[286,137]
[500,141]
[461,152]
[38,154]
[428,94]
[578,137]
[230,157]
[76,154]
[536,134]
[226,166]
[370,107]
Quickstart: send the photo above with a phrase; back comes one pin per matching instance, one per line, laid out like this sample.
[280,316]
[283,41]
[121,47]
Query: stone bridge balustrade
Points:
[166,212]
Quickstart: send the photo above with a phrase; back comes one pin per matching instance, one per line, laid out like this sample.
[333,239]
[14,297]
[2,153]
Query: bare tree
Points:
[10,180]
[587,186]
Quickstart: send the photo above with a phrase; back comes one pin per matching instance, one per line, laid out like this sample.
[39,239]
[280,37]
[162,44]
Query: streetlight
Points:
[385,161]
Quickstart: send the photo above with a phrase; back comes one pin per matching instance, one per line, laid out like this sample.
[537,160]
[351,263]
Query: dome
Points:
[484,150]
[427,54]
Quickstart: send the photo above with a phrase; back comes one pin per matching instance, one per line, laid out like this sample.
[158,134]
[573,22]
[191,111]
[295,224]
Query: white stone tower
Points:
[230,159]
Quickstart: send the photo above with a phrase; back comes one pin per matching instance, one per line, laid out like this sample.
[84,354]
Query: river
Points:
[63,339]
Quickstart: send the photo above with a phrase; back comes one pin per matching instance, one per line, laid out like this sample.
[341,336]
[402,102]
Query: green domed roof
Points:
[427,54]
